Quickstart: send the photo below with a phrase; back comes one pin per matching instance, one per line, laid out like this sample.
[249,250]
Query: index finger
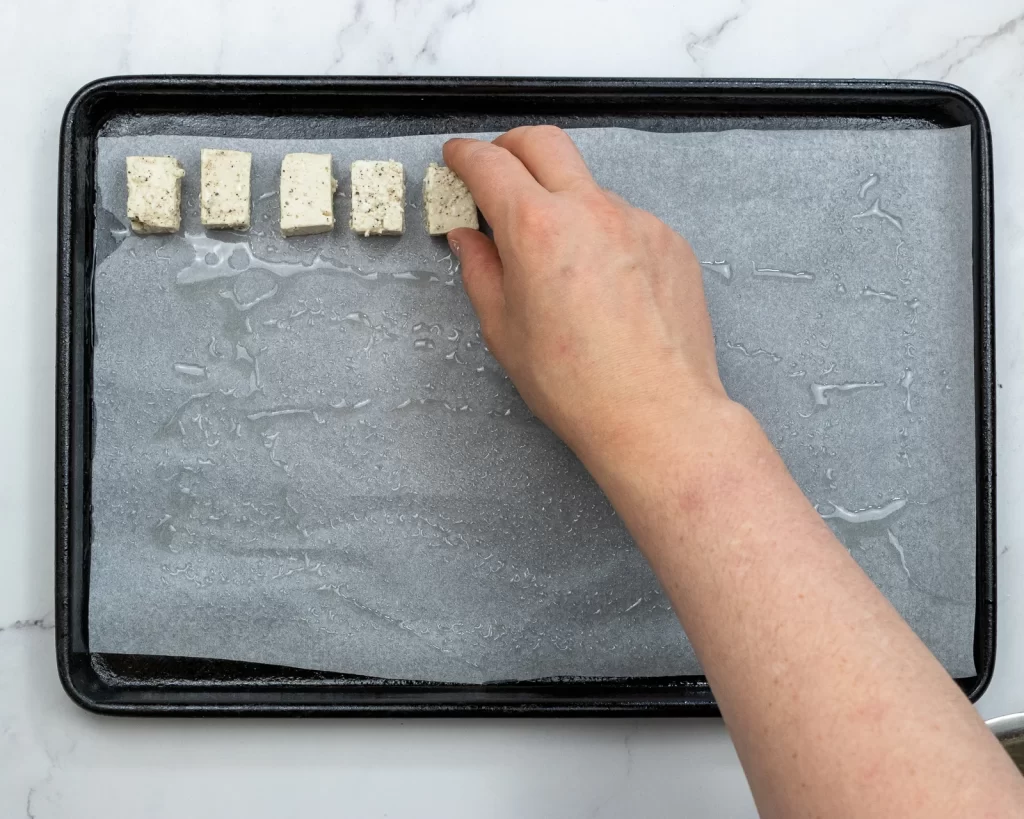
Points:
[496,178]
[549,154]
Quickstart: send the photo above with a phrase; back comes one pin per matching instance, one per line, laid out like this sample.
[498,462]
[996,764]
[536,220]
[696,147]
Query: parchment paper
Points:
[304,456]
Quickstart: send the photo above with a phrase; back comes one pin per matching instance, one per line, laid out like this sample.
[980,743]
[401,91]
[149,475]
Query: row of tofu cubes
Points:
[307,195]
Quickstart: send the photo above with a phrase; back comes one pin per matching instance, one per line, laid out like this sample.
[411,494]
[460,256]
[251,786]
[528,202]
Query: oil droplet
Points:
[245,306]
[905,382]
[284,412]
[899,550]
[192,370]
[914,304]
[830,478]
[820,392]
[867,185]
[359,318]
[870,514]
[775,273]
[722,269]
[870,292]
[423,344]
[418,276]
[239,260]
[876,211]
[841,289]
[753,353]
[214,259]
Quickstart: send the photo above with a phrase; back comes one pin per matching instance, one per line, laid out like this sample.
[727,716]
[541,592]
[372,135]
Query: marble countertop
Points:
[58,761]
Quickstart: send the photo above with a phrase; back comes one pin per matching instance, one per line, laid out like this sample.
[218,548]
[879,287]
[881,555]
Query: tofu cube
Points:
[154,193]
[307,194]
[447,202]
[224,188]
[378,198]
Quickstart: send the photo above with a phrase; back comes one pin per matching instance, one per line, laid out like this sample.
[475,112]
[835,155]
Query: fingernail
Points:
[454,245]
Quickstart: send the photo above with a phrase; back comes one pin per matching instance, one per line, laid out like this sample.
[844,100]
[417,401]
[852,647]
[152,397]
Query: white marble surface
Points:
[57,761]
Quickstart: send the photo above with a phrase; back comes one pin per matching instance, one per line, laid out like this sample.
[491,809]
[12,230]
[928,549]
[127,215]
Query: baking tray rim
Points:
[822,96]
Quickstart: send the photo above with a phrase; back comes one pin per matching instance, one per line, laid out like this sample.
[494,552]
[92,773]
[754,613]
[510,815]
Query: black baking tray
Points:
[350,106]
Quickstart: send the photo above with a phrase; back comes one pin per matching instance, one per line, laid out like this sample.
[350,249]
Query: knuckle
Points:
[546,133]
[485,155]
[609,215]
[532,217]
[653,228]
[600,201]
[619,200]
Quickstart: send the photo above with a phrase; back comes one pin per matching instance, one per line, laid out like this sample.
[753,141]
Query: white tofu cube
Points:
[224,188]
[447,202]
[154,193]
[307,194]
[378,198]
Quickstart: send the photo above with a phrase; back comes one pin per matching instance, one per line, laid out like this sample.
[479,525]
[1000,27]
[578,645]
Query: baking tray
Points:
[340,106]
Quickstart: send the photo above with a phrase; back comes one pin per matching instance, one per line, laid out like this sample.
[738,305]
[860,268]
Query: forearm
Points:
[596,311]
[835,706]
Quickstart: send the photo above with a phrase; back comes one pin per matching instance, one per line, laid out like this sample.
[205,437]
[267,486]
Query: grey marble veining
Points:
[57,761]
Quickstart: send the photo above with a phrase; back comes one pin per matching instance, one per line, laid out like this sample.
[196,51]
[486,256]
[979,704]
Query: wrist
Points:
[643,435]
[692,450]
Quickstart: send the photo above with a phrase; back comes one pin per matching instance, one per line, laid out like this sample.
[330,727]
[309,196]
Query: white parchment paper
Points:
[304,456]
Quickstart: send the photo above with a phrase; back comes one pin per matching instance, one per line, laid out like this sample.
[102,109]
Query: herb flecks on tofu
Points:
[154,193]
[378,198]
[307,194]
[224,188]
[447,202]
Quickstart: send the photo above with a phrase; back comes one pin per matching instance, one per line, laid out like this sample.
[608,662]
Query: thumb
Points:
[483,278]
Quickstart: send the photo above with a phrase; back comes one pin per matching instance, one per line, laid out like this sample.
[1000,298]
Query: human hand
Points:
[594,308]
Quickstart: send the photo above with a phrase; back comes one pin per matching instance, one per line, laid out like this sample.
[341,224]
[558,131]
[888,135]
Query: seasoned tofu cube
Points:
[447,202]
[307,194]
[224,188]
[154,193]
[378,198]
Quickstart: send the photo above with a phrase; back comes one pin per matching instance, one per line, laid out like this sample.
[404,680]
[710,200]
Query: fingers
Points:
[549,154]
[482,276]
[497,180]
[616,198]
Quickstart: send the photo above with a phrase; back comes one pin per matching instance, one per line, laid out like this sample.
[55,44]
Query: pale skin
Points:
[596,310]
